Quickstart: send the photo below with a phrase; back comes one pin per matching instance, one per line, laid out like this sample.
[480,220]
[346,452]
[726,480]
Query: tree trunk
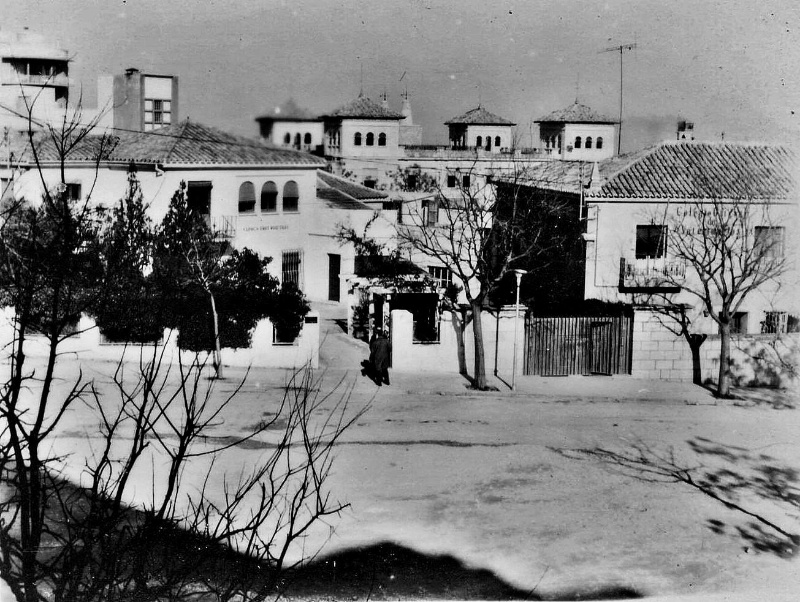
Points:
[217,350]
[695,342]
[480,358]
[723,384]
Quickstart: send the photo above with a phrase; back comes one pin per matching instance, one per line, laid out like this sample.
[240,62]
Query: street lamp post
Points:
[518,274]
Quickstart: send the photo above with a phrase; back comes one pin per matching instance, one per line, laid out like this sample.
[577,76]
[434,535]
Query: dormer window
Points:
[287,138]
[599,144]
[307,138]
[370,139]
[588,142]
[479,141]
[381,139]
[357,139]
[578,141]
[497,141]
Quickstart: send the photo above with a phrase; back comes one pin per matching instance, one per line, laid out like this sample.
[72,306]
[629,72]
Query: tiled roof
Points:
[343,194]
[288,111]
[702,170]
[351,189]
[363,108]
[183,143]
[576,113]
[479,116]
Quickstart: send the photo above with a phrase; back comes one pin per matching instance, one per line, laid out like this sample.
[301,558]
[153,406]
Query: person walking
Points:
[379,354]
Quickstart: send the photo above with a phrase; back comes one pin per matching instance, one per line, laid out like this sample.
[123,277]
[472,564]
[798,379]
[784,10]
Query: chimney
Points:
[685,130]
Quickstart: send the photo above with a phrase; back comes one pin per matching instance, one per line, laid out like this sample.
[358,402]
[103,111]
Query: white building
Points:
[577,133]
[272,200]
[34,80]
[291,126]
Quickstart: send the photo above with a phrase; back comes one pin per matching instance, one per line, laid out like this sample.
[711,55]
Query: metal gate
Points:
[578,345]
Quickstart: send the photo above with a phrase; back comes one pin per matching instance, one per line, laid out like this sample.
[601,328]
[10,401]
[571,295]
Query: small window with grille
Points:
[291,267]
[441,275]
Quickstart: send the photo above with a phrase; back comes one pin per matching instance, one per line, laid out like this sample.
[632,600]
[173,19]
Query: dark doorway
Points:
[334,271]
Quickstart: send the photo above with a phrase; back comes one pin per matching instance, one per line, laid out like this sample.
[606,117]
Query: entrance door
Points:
[334,270]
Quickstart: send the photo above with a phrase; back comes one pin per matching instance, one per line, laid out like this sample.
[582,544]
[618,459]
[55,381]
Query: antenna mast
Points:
[621,48]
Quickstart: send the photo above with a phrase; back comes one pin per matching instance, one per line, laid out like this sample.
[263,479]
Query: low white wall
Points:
[263,353]
[443,356]
[660,354]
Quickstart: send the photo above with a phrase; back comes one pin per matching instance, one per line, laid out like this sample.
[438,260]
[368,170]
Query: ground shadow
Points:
[341,323]
[175,560]
[386,570]
[739,479]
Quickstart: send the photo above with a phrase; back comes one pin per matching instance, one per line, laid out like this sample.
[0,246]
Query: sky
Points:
[730,66]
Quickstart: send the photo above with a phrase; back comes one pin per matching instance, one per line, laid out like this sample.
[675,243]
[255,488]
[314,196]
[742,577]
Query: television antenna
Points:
[621,49]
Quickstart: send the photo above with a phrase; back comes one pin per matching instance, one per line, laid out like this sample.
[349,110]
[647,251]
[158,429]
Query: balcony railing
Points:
[651,272]
[223,226]
[37,80]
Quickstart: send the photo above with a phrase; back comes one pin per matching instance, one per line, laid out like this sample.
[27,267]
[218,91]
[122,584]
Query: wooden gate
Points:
[578,345]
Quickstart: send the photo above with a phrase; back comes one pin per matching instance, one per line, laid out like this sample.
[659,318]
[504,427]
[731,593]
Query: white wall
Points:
[263,353]
[611,234]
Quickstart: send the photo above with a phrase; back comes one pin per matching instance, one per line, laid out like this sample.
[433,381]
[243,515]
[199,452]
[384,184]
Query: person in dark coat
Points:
[379,354]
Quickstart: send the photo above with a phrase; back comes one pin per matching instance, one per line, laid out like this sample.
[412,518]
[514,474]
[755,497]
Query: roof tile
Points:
[576,113]
[478,116]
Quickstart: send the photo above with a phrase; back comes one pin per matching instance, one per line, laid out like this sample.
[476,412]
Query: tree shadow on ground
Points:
[174,560]
[388,571]
[757,486]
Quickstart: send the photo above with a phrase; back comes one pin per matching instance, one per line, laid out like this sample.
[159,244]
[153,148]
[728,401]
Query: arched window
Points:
[247,197]
[291,196]
[357,139]
[588,142]
[307,138]
[381,139]
[488,143]
[370,139]
[599,143]
[269,198]
[479,141]
[497,140]
[297,140]
[287,138]
[577,141]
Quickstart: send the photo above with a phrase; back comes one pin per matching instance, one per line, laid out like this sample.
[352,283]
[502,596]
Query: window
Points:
[479,141]
[381,139]
[442,276]
[430,212]
[412,181]
[769,241]
[291,267]
[291,196]
[198,197]
[739,323]
[357,139]
[72,191]
[775,322]
[157,113]
[297,140]
[287,138]
[497,140]
[370,182]
[370,139]
[451,180]
[307,138]
[650,241]
[465,181]
[247,198]
[599,144]
[588,142]
[269,198]
[577,141]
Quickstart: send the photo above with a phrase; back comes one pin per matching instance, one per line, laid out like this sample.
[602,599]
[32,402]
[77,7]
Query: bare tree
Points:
[730,248]
[486,228]
[70,528]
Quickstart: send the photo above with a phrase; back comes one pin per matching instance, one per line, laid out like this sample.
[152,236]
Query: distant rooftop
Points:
[478,116]
[28,44]
[344,194]
[181,144]
[364,108]
[576,113]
